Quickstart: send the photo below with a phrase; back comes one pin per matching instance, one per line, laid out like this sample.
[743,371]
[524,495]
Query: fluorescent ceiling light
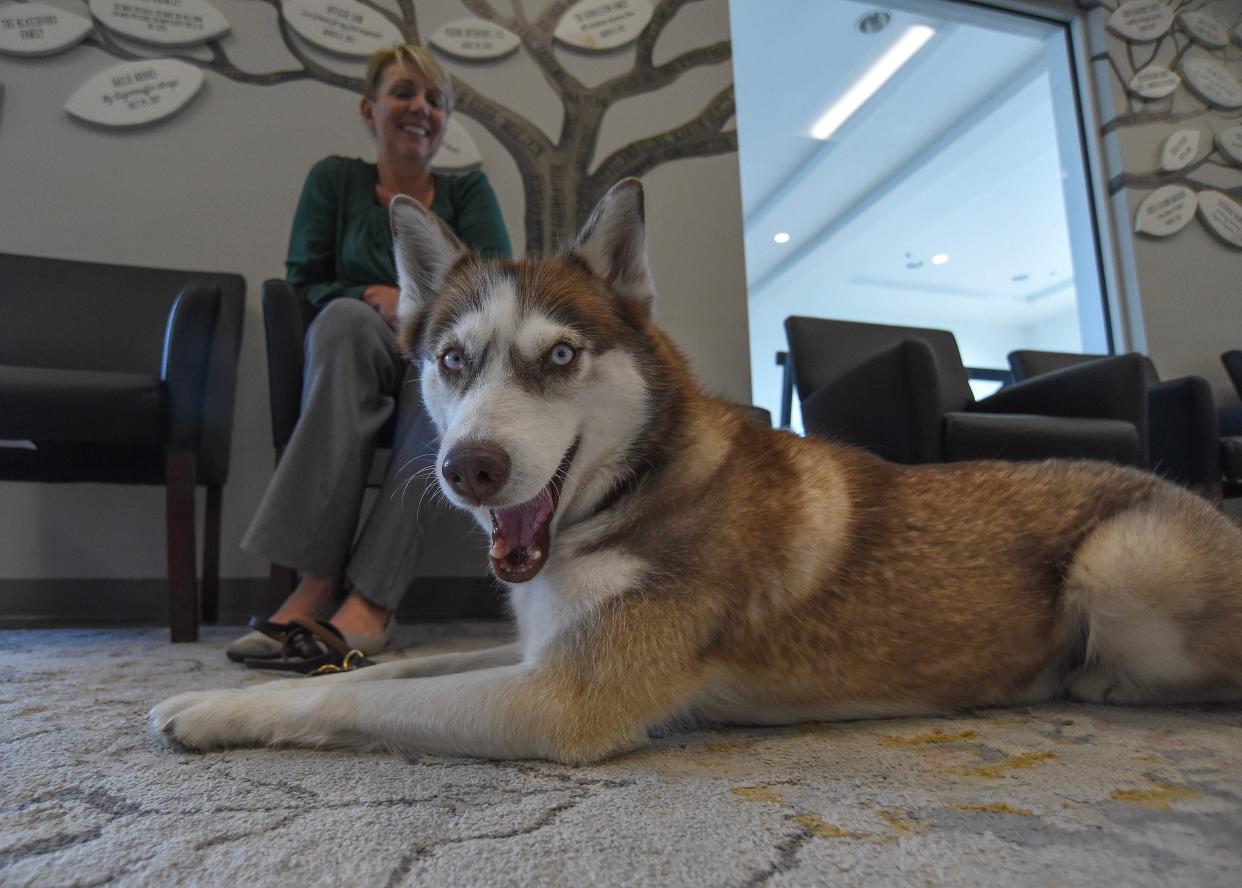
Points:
[940,259]
[781,237]
[867,85]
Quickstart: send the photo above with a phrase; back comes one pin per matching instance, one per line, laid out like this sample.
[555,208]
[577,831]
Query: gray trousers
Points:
[354,378]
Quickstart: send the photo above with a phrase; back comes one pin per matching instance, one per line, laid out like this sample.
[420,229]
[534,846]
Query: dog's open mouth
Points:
[521,535]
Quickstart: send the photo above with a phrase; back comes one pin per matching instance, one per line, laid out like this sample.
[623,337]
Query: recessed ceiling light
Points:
[940,259]
[782,237]
[1018,278]
[873,22]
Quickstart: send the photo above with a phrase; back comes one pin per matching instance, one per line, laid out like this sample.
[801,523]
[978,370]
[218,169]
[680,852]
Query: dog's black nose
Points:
[476,471]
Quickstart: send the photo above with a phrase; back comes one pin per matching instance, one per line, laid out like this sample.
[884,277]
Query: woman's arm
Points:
[311,261]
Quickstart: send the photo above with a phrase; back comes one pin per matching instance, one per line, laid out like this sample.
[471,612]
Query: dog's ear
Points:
[425,249]
[613,244]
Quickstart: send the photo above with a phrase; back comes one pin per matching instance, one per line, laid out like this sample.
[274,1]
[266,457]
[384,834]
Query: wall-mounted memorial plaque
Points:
[1223,217]
[1154,82]
[1230,143]
[342,26]
[162,22]
[603,24]
[473,38]
[1208,79]
[457,150]
[135,93]
[1141,21]
[1165,211]
[1179,150]
[32,29]
[1204,29]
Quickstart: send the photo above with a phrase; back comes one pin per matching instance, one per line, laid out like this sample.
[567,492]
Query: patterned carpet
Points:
[1060,794]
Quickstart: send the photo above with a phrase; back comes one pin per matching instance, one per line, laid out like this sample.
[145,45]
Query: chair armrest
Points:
[888,404]
[188,338]
[286,316]
[1185,433]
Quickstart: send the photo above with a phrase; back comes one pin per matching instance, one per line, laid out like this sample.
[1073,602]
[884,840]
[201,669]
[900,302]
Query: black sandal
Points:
[310,647]
[277,632]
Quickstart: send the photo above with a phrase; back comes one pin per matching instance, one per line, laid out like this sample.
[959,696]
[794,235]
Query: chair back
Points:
[1029,363]
[1232,360]
[822,349]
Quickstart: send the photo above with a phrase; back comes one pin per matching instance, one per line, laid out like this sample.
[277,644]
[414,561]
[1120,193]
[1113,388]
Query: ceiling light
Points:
[867,85]
[782,237]
[940,259]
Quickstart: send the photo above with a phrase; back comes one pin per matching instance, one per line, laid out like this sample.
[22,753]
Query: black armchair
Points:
[126,375]
[904,394]
[1181,433]
[1231,428]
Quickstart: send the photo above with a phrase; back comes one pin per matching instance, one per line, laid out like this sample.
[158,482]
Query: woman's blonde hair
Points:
[414,55]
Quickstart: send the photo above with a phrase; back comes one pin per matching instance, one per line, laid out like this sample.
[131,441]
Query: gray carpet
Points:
[1060,794]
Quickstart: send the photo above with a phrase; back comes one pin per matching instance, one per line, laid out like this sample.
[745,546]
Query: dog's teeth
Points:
[535,554]
[498,550]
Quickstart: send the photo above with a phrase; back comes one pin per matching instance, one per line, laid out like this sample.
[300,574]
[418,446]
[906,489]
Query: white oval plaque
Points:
[1230,143]
[603,24]
[457,151]
[1179,150]
[1165,211]
[1223,217]
[473,38]
[134,93]
[1205,29]
[342,26]
[32,29]
[1208,79]
[162,22]
[1154,82]
[1141,21]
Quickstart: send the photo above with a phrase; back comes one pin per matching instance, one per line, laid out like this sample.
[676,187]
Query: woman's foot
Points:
[366,625]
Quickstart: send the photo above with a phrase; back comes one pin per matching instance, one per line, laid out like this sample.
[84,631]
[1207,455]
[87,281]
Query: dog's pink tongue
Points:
[516,527]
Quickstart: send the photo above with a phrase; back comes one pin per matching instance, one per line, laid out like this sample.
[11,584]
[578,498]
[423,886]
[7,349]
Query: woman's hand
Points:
[383,299]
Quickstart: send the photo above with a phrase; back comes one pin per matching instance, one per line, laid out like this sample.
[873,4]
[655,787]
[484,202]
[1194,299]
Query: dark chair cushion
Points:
[80,406]
[1022,437]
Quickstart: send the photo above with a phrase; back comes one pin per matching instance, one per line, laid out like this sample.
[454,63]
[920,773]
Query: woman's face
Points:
[407,115]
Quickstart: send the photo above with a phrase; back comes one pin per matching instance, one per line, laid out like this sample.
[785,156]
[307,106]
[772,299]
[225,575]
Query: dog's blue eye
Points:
[453,359]
[562,353]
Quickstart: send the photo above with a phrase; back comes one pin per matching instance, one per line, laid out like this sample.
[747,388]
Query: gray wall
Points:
[214,188]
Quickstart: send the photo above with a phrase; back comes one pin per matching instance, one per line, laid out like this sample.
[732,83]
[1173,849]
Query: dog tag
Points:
[136,93]
[32,29]
[1204,29]
[1230,143]
[1140,21]
[341,26]
[162,22]
[1222,216]
[472,38]
[1154,82]
[457,151]
[1179,150]
[603,24]
[1165,211]
[1208,79]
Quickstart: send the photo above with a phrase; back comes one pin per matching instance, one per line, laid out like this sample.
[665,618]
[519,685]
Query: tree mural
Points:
[560,176]
[1174,64]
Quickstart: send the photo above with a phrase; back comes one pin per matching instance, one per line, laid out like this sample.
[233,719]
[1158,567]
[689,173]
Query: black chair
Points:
[1181,433]
[125,375]
[904,394]
[1231,428]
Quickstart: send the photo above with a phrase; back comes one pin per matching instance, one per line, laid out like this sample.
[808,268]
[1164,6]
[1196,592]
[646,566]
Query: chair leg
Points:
[182,573]
[209,596]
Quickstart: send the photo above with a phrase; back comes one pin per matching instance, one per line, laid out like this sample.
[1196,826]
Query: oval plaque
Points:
[603,24]
[1154,82]
[1204,29]
[1223,217]
[32,29]
[1208,79]
[135,93]
[1230,143]
[342,26]
[457,150]
[1179,150]
[1165,211]
[1141,21]
[473,38]
[162,22]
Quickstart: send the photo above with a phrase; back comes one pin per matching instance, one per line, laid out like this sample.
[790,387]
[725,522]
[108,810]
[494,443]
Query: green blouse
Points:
[342,243]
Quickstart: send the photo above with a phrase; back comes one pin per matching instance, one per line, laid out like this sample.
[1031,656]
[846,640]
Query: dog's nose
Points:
[476,471]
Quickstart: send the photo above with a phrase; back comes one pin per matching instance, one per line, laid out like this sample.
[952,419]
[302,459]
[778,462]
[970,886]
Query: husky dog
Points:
[668,561]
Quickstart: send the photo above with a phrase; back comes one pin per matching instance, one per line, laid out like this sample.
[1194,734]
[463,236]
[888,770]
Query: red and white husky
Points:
[668,561]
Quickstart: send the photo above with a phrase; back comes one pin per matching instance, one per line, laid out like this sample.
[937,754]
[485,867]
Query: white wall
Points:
[214,189]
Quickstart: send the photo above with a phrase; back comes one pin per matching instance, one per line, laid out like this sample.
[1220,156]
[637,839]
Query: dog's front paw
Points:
[203,720]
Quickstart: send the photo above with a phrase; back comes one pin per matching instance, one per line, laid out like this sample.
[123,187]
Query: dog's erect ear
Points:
[424,248]
[613,243]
